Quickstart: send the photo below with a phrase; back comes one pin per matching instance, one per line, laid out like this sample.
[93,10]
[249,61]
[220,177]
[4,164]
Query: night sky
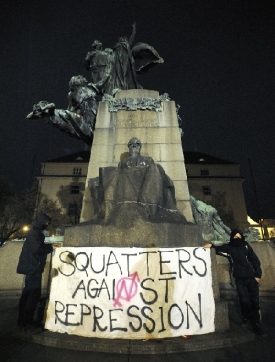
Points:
[218,65]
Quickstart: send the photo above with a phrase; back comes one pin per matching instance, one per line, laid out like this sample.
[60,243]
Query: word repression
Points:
[131,292]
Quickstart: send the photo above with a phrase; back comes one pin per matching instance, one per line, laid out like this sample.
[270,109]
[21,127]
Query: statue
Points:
[79,118]
[251,235]
[136,188]
[113,69]
[213,229]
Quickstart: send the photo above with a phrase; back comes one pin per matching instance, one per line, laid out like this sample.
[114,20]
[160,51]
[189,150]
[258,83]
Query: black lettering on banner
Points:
[128,255]
[164,261]
[96,318]
[103,286]
[148,330]
[199,319]
[170,317]
[103,264]
[162,321]
[181,262]
[57,311]
[114,288]
[113,320]
[147,258]
[155,298]
[65,262]
[84,267]
[68,313]
[133,328]
[167,287]
[204,263]
[93,289]
[109,263]
[83,312]
[81,286]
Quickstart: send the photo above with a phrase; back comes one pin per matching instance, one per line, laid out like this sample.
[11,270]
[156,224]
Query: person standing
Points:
[31,263]
[246,270]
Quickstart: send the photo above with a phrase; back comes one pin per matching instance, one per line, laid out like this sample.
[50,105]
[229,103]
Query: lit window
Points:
[72,209]
[74,189]
[77,171]
[206,190]
[204,172]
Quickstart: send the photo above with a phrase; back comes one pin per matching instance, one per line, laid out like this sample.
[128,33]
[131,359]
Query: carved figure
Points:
[251,234]
[213,229]
[113,69]
[137,185]
[79,118]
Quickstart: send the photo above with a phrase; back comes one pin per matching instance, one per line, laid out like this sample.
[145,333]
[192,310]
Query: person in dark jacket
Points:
[31,263]
[246,270]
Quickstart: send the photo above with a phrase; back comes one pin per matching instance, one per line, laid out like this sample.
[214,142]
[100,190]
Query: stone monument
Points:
[132,198]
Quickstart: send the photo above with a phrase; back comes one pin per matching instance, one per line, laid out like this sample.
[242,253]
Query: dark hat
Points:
[234,232]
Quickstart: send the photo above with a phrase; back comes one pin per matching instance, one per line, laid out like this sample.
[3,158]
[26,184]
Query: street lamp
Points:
[25,228]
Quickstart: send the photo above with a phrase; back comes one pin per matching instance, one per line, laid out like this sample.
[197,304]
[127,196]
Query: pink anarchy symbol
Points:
[126,289]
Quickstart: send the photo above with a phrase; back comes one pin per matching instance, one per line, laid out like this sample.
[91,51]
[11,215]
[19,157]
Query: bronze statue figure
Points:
[111,70]
[79,118]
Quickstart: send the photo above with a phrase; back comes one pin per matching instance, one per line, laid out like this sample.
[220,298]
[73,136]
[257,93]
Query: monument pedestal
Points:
[158,130]
[126,223]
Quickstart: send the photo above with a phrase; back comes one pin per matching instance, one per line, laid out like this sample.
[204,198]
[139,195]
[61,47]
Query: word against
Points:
[131,293]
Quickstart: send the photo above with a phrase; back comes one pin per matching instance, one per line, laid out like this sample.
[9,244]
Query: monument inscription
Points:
[133,119]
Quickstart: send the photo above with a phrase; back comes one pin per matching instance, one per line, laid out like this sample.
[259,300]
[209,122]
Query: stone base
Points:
[146,234]
[142,233]
[236,335]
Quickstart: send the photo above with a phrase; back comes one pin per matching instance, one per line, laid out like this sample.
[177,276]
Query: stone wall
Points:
[11,283]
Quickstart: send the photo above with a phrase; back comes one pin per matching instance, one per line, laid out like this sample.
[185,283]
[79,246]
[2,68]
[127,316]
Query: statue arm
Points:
[132,37]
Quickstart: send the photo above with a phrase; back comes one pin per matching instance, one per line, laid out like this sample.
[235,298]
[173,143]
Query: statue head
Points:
[97,45]
[78,80]
[79,89]
[134,146]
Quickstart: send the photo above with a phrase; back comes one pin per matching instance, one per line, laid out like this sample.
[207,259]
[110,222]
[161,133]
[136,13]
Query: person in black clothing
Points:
[31,263]
[246,269]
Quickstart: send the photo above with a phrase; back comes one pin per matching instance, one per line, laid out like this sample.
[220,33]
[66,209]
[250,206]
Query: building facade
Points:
[63,180]
[217,182]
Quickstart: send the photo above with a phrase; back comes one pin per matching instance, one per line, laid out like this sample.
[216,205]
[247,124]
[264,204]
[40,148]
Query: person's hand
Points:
[257,280]
[207,246]
[55,246]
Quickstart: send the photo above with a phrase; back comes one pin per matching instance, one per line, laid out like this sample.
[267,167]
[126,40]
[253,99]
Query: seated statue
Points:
[138,187]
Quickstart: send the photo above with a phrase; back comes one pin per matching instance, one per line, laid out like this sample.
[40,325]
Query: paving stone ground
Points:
[238,345]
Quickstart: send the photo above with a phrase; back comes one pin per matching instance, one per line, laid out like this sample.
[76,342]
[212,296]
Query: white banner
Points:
[131,293]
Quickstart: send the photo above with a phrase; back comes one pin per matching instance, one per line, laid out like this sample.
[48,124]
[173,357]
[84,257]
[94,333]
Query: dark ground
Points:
[260,349]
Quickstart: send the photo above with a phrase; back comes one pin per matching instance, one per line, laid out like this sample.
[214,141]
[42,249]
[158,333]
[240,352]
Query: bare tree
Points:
[18,210]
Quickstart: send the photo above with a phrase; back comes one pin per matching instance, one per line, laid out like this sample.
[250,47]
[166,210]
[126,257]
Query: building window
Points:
[204,172]
[77,171]
[74,189]
[72,209]
[206,190]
